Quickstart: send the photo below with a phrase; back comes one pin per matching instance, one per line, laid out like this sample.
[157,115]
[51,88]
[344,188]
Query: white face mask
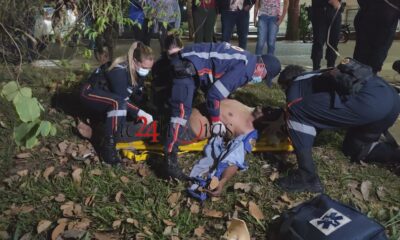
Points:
[143,72]
[256,79]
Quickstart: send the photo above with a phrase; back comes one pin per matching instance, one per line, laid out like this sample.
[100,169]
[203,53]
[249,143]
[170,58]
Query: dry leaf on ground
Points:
[23,173]
[23,155]
[365,189]
[255,211]
[169,222]
[380,192]
[106,236]
[43,225]
[62,146]
[116,224]
[173,199]
[237,230]
[47,172]
[96,172]
[246,187]
[212,213]
[58,230]
[133,221]
[62,174]
[89,200]
[143,171]
[195,208]
[118,196]
[60,198]
[124,179]
[167,231]
[84,130]
[199,231]
[76,175]
[83,224]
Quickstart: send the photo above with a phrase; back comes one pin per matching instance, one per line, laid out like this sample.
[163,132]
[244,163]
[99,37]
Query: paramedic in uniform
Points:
[325,100]
[216,68]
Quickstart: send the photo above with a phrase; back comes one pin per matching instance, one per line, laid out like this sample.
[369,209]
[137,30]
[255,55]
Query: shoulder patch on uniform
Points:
[331,221]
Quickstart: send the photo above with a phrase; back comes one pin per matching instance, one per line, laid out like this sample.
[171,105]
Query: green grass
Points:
[146,199]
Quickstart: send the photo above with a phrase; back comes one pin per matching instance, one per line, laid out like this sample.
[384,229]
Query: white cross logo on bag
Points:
[331,221]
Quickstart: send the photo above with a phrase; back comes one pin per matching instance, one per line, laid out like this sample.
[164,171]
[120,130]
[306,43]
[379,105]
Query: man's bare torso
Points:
[237,117]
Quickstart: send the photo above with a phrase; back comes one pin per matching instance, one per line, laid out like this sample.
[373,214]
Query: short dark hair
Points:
[289,74]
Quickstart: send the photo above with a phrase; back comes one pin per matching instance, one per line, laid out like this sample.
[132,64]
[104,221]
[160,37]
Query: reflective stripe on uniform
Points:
[300,127]
[217,55]
[309,75]
[179,120]
[116,113]
[222,89]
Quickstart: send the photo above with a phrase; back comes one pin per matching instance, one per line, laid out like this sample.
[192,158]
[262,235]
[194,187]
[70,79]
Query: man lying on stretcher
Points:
[239,119]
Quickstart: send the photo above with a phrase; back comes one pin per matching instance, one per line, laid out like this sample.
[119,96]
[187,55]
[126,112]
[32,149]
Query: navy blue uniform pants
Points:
[375,25]
[112,105]
[366,116]
[321,19]
[181,104]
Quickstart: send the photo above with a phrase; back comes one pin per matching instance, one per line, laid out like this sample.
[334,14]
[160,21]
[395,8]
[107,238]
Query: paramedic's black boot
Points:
[303,179]
[172,167]
[298,181]
[109,153]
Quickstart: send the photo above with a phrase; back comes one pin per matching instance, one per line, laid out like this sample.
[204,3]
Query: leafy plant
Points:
[29,110]
[304,19]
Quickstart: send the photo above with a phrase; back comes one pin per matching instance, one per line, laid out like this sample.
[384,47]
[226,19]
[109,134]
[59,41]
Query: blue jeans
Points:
[267,31]
[239,18]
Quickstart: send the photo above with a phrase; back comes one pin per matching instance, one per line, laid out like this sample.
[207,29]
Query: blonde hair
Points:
[137,51]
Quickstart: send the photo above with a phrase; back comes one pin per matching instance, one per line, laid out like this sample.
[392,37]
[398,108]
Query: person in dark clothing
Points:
[348,97]
[375,25]
[204,16]
[138,16]
[235,12]
[323,14]
[114,89]
[216,68]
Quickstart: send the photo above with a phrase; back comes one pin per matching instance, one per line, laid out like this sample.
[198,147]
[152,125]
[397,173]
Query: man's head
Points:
[288,75]
[267,67]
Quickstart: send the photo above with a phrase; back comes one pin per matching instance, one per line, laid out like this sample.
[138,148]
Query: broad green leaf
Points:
[10,90]
[28,109]
[44,128]
[53,130]
[31,142]
[26,92]
[24,129]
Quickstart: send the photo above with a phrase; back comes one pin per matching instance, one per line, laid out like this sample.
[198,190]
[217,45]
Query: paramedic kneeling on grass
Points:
[348,97]
[218,69]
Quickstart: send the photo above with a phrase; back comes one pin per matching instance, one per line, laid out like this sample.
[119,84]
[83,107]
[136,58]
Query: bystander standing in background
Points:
[268,17]
[235,12]
[204,16]
[325,14]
